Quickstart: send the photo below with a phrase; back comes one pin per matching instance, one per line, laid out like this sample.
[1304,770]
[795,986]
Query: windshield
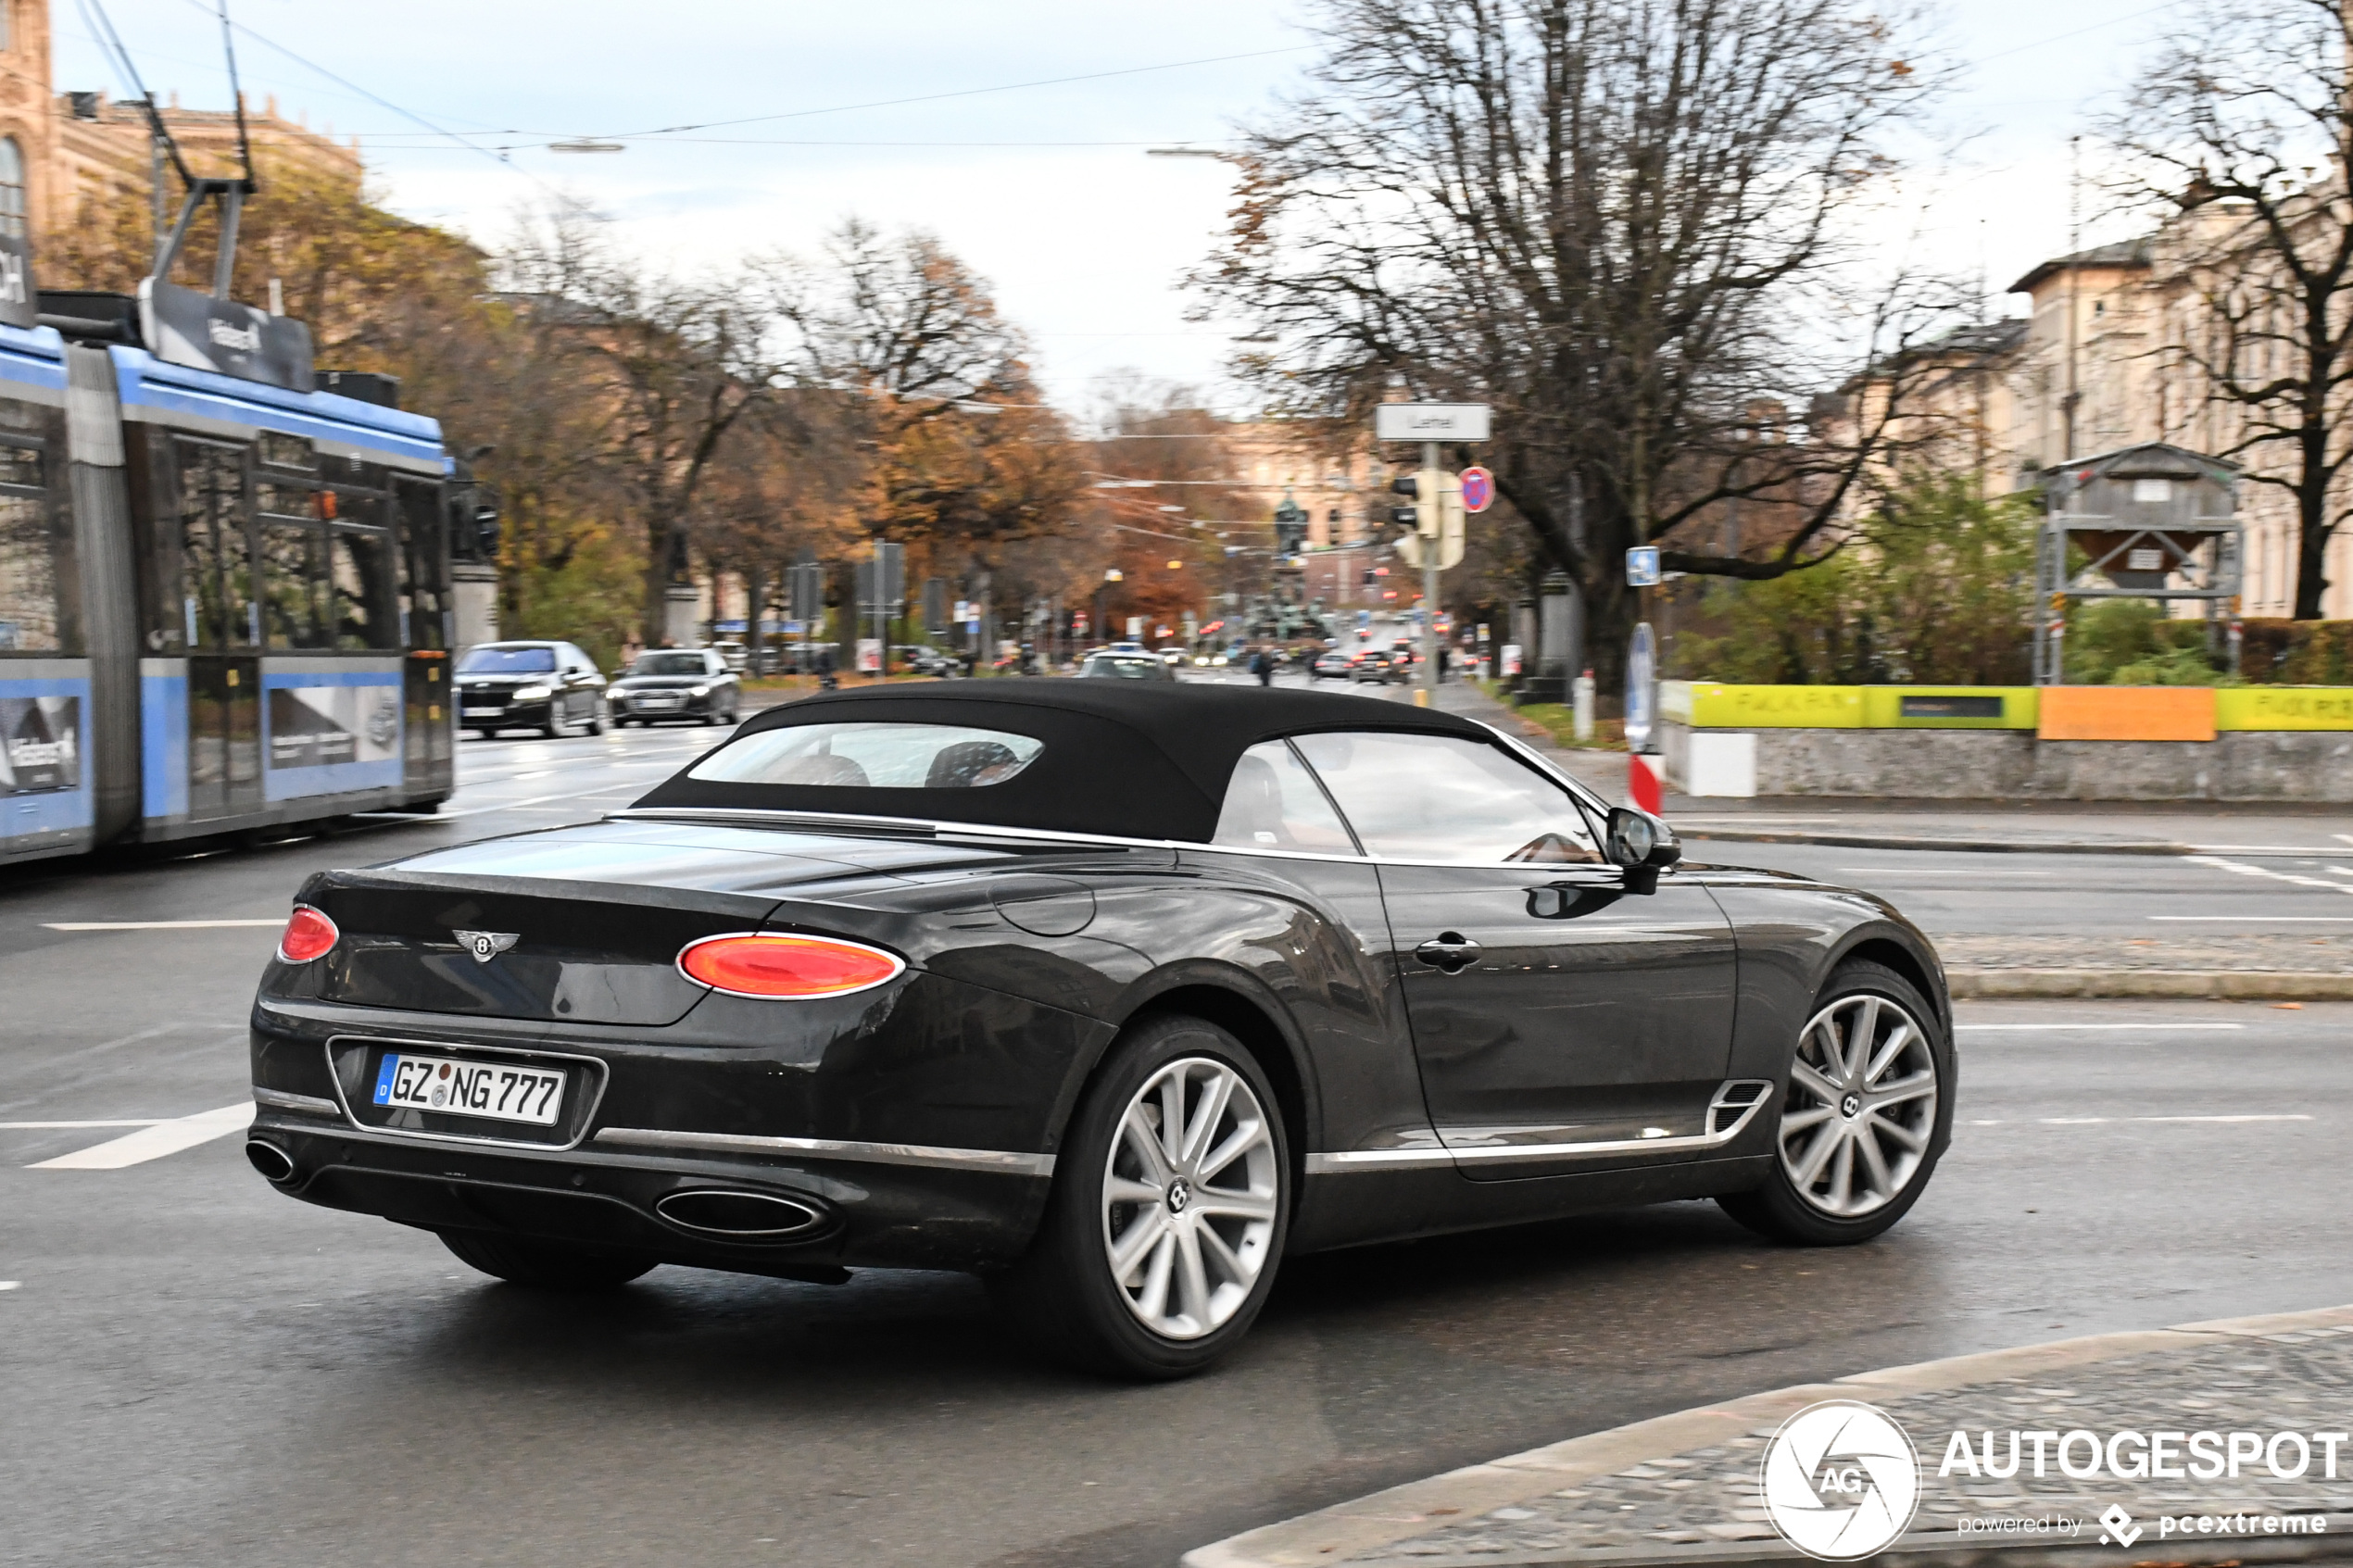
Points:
[668,664]
[872,757]
[1146,669]
[495,660]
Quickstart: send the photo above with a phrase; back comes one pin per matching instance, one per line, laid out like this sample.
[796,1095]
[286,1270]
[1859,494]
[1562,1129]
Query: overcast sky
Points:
[1046,189]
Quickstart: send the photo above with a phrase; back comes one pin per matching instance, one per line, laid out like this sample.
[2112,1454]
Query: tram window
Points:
[28,577]
[363,589]
[217,586]
[288,500]
[286,452]
[21,465]
[292,574]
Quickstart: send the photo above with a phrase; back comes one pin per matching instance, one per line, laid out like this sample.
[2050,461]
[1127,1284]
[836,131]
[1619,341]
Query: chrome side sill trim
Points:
[300,1105]
[1512,1154]
[835,1148]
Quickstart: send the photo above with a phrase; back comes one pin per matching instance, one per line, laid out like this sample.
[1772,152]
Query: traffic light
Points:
[1407,517]
[1429,488]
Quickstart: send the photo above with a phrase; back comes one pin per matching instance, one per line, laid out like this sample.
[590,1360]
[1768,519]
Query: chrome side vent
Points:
[745,1216]
[1734,1103]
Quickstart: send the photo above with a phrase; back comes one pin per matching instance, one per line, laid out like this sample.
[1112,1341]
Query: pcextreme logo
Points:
[1841,1480]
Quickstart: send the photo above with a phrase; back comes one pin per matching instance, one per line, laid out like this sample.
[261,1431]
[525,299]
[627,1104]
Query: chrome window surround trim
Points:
[600,1077]
[300,1105]
[1512,1154]
[753,816]
[925,1155]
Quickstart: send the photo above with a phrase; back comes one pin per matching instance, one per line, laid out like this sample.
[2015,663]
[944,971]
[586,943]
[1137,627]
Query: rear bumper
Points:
[704,1105]
[601,1198]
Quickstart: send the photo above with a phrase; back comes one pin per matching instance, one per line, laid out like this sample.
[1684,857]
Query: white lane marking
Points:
[2263,871]
[2347,837]
[2103,1121]
[158,924]
[535,774]
[1941,870]
[2268,849]
[154,1143]
[2152,1026]
[2265,920]
[27,1126]
[9,1284]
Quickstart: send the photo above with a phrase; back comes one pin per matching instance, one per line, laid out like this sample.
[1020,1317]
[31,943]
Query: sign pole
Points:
[1428,697]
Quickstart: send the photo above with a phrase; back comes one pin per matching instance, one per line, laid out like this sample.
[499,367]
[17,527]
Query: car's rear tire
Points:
[1819,1193]
[542,1267]
[1201,1228]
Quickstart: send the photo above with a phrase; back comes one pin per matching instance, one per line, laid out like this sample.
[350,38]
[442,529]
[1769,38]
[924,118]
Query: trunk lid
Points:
[597,915]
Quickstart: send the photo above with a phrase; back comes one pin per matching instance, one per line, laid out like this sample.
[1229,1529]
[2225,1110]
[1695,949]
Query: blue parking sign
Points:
[1641,567]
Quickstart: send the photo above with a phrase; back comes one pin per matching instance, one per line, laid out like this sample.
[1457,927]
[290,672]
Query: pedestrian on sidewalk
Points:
[1261,664]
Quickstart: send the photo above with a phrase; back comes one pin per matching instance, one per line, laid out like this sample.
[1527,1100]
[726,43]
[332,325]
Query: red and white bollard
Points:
[1646,782]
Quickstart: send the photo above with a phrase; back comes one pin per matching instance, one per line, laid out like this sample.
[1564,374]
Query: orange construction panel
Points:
[2127,713]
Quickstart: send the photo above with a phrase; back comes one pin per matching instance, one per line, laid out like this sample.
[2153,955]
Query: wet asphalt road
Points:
[200,1371]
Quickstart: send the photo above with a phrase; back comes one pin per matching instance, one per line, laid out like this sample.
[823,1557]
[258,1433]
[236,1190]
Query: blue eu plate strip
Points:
[384,1079]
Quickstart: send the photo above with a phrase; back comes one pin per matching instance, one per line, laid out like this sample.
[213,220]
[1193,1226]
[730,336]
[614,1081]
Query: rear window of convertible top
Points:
[871,756]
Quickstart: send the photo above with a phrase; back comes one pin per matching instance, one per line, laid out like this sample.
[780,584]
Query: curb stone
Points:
[2205,985]
[1387,1518]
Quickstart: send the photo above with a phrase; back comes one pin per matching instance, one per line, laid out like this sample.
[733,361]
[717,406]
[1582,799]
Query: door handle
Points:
[1449,950]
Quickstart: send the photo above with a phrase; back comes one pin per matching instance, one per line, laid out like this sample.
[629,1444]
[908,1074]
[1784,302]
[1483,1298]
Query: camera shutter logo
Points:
[1841,1480]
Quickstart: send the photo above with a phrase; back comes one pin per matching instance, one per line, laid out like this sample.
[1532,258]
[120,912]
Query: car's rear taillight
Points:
[786,967]
[308,936]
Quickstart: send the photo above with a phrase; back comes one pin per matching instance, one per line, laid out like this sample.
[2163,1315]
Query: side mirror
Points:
[1640,846]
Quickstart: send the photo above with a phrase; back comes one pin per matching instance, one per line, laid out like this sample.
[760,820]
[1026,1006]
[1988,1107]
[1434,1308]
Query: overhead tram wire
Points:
[961,92]
[381,102]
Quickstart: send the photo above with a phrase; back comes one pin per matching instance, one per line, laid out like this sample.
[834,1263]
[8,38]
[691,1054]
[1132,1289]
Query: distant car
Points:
[926,661]
[1332,664]
[737,657]
[1172,656]
[1372,664]
[548,687]
[1112,665]
[677,683]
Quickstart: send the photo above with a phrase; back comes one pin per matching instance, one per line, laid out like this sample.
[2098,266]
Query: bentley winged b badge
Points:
[486,945]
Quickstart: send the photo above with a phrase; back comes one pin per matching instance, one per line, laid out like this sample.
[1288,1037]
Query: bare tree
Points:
[1627,224]
[671,363]
[2245,118]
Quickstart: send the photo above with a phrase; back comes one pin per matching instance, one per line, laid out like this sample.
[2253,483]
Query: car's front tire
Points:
[1866,1111]
[1158,1248]
[542,1267]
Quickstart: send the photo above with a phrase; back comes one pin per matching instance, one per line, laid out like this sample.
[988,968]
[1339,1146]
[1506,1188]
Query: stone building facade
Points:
[61,150]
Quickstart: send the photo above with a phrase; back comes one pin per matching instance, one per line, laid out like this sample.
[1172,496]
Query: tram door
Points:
[224,631]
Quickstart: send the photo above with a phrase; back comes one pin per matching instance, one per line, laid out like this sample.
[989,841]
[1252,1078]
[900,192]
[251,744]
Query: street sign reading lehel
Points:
[1478,489]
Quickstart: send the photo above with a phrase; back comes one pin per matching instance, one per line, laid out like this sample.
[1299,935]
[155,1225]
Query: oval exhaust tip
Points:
[273,1163]
[750,1216]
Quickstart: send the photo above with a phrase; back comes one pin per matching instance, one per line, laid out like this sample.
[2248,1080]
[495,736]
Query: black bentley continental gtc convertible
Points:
[1115,994]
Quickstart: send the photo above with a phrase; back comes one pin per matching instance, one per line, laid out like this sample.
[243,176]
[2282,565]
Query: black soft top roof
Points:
[1121,759]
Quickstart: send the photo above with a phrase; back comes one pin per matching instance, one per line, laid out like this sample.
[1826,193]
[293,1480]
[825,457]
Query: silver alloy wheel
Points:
[1190,1193]
[1861,1107]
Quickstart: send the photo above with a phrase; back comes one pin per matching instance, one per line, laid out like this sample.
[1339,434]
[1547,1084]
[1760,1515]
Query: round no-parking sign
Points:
[1478,489]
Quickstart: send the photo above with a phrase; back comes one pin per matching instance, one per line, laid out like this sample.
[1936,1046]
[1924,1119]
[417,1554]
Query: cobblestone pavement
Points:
[2298,1382]
[2303,954]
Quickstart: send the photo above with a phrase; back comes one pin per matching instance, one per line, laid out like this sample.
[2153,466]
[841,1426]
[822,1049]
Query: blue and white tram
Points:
[225,606]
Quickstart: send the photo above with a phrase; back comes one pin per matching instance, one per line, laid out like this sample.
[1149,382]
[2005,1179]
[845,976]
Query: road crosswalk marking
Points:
[155,1142]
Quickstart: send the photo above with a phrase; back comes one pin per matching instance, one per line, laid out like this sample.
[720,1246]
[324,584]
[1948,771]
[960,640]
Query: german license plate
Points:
[656,702]
[480,712]
[497,1091]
